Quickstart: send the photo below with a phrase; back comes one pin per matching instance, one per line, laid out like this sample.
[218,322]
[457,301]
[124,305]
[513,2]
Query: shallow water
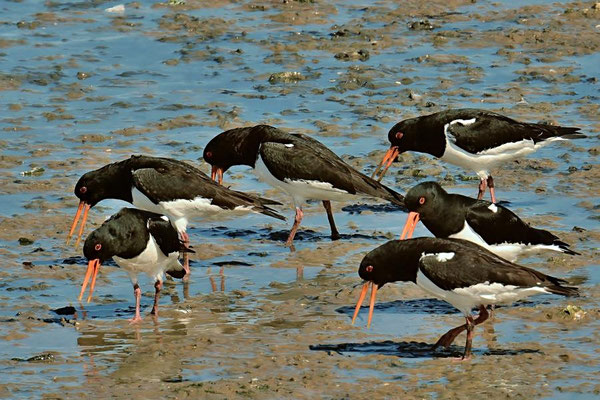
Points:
[82,87]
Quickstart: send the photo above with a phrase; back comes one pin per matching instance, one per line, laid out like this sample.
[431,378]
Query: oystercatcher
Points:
[473,139]
[164,186]
[459,272]
[138,241]
[489,225]
[299,165]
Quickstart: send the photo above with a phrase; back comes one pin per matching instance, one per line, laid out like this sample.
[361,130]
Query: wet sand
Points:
[82,87]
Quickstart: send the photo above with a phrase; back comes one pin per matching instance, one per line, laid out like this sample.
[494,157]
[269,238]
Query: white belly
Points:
[152,261]
[301,190]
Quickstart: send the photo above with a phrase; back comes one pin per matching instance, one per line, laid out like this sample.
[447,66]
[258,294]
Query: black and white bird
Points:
[138,241]
[476,140]
[164,186]
[487,224]
[458,272]
[297,164]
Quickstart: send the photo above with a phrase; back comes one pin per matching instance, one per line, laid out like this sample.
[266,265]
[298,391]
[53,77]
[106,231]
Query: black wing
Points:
[471,265]
[490,130]
[504,226]
[166,236]
[172,181]
[299,161]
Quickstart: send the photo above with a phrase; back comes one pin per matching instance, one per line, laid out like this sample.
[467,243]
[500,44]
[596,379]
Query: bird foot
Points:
[135,320]
[462,359]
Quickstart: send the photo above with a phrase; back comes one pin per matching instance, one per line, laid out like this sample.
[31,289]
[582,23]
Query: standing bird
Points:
[458,272]
[164,186]
[473,139]
[489,225]
[138,241]
[299,165]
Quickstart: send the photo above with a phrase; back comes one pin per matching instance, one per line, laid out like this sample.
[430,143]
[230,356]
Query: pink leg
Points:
[482,187]
[490,183]
[137,292]
[157,287]
[470,333]
[297,220]
[186,257]
[448,338]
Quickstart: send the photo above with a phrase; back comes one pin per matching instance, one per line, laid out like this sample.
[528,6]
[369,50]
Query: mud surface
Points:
[82,86]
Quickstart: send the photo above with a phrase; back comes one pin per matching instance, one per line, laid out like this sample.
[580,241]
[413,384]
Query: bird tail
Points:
[373,188]
[176,270]
[268,211]
[566,132]
[565,248]
[569,291]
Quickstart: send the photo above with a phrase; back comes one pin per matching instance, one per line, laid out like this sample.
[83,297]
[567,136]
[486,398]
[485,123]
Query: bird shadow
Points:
[422,306]
[359,208]
[411,349]
[303,235]
[430,306]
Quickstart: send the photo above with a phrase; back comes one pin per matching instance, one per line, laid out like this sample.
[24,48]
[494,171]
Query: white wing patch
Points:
[493,208]
[289,145]
[441,257]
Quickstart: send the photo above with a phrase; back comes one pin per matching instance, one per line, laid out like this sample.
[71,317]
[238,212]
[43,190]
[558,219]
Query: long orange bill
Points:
[92,269]
[363,293]
[86,208]
[81,204]
[388,159]
[93,285]
[372,304]
[409,227]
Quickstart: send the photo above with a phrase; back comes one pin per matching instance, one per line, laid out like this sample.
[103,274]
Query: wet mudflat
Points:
[82,86]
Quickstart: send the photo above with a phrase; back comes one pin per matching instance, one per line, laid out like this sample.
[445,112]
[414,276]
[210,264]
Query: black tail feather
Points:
[569,291]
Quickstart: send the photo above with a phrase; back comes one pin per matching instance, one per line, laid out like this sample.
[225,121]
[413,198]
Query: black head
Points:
[113,181]
[396,260]
[125,235]
[422,134]
[237,146]
[424,197]
[90,188]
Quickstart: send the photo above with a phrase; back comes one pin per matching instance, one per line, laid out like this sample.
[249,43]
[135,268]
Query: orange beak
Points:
[388,159]
[363,293]
[410,225]
[85,207]
[92,270]
[216,174]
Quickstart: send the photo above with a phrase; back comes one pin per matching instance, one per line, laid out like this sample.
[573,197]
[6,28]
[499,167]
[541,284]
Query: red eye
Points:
[98,247]
[399,135]
[208,154]
[369,268]
[421,200]
[82,189]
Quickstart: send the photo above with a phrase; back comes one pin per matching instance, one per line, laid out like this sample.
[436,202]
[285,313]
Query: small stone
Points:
[82,75]
[23,241]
